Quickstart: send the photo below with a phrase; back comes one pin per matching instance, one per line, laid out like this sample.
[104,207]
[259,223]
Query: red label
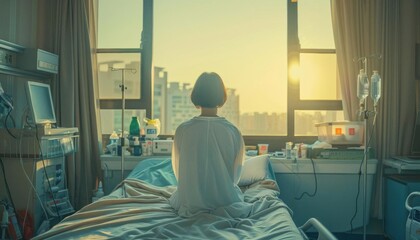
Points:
[352,131]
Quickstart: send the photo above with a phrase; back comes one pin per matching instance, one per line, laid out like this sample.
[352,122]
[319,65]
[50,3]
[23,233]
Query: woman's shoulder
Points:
[221,121]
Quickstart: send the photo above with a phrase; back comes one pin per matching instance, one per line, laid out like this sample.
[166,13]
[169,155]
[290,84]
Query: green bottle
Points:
[134,127]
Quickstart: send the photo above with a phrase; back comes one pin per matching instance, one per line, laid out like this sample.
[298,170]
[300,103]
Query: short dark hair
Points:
[209,91]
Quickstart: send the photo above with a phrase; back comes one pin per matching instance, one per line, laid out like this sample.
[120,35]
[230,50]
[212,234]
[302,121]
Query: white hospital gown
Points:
[207,159]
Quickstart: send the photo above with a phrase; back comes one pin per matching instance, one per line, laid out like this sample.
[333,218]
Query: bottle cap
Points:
[114,135]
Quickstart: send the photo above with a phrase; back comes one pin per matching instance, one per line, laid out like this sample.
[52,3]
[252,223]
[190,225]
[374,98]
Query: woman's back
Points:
[207,160]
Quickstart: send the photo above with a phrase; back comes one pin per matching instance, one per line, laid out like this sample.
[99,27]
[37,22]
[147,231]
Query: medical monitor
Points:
[40,100]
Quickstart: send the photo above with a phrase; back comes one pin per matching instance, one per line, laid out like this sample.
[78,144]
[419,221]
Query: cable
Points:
[360,171]
[46,174]
[29,180]
[29,196]
[8,190]
[6,183]
[357,197]
[5,123]
[316,184]
[4,220]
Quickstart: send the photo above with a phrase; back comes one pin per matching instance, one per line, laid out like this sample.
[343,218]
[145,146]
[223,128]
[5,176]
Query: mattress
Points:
[139,209]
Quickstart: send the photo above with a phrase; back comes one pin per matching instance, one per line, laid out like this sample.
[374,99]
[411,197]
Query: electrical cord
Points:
[4,220]
[8,188]
[46,174]
[6,183]
[316,184]
[25,115]
[29,196]
[29,179]
[5,123]
[366,151]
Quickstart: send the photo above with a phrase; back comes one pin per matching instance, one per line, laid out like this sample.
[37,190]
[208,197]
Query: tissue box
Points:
[341,133]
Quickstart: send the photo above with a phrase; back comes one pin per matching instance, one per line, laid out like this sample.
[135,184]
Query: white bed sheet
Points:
[145,213]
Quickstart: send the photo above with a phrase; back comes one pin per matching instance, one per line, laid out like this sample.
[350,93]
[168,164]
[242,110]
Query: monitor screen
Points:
[41,103]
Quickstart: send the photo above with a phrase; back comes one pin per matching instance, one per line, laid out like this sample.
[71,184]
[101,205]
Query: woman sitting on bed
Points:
[208,153]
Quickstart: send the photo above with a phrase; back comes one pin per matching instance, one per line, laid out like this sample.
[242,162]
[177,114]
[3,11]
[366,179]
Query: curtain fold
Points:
[356,30]
[387,27]
[66,27]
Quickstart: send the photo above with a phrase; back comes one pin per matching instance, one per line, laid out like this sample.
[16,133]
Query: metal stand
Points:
[122,138]
[365,113]
[365,159]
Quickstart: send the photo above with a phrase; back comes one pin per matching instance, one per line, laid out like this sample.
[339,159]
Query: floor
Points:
[374,230]
[375,226]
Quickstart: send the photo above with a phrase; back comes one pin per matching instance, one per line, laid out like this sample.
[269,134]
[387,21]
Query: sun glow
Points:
[294,71]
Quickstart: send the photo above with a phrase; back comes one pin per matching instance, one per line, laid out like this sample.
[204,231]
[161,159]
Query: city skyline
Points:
[172,105]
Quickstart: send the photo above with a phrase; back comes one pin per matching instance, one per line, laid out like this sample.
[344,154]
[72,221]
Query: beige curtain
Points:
[64,28]
[387,27]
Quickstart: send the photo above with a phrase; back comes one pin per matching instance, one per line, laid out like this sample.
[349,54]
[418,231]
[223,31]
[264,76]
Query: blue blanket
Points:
[158,171]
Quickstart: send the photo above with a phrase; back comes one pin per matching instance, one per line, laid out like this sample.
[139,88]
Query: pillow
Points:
[254,170]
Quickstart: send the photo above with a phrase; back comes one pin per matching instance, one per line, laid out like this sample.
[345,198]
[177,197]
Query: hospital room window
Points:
[244,41]
[118,46]
[110,81]
[319,88]
[317,55]
[308,119]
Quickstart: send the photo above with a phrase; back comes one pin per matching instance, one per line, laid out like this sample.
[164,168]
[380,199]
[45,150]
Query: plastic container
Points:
[289,150]
[113,138]
[113,142]
[362,85]
[341,133]
[137,151]
[262,149]
[375,88]
[134,127]
[119,148]
[302,150]
[152,128]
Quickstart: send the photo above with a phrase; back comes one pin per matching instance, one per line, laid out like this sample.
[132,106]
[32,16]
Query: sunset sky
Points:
[243,40]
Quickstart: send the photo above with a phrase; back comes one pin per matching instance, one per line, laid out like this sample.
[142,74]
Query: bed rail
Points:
[323,232]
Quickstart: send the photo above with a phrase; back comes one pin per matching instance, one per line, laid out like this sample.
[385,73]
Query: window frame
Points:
[294,102]
[146,80]
[293,87]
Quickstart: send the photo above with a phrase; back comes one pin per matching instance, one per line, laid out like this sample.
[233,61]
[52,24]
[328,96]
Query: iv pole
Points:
[122,139]
[365,113]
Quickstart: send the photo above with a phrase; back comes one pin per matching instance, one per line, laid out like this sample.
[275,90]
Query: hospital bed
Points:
[139,209]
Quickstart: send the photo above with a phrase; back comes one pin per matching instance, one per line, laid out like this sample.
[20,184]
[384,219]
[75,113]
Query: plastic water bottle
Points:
[289,150]
[113,142]
[375,87]
[113,138]
[362,85]
[134,127]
